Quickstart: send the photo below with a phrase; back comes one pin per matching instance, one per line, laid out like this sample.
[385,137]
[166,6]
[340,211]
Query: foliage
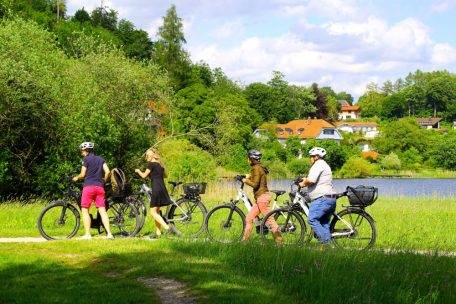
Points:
[169,52]
[298,166]
[401,135]
[356,167]
[391,162]
[98,97]
[187,162]
[411,159]
[336,154]
[443,155]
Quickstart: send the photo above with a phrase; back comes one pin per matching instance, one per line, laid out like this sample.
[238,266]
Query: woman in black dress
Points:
[160,197]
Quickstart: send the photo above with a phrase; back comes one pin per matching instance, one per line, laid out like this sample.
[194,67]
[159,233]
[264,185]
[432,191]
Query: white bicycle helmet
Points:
[317,151]
[86,145]
[254,154]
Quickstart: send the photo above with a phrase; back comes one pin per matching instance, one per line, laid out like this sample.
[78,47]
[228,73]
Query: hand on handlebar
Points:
[240,177]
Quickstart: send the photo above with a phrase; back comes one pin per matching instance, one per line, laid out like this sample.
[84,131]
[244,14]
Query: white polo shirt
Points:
[320,175]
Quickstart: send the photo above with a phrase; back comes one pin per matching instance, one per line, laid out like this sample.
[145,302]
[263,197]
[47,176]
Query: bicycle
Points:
[351,228]
[61,219]
[186,214]
[226,223]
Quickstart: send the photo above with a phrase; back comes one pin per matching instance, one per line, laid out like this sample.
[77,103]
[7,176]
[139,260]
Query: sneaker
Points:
[109,236]
[85,237]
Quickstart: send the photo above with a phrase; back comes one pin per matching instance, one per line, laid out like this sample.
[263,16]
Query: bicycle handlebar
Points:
[239,177]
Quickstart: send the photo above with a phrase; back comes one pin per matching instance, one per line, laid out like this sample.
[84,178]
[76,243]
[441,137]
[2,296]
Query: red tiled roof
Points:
[428,121]
[311,128]
[371,154]
[357,123]
[351,108]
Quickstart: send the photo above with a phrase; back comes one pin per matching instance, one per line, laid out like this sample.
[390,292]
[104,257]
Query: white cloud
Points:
[233,28]
[443,54]
[443,5]
[337,9]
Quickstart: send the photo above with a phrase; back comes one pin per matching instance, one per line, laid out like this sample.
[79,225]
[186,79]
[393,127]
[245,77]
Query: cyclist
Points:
[257,179]
[92,170]
[322,194]
[160,197]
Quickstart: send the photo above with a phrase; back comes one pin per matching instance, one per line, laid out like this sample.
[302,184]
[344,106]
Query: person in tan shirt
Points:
[257,179]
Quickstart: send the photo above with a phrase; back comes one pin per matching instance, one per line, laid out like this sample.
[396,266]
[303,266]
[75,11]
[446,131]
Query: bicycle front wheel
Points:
[291,226]
[124,219]
[187,216]
[225,224]
[353,229]
[59,220]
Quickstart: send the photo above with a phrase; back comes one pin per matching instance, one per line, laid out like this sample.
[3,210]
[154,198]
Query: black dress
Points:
[160,196]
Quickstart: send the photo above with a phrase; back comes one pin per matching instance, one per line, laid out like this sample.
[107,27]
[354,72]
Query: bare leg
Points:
[105,220]
[87,221]
[159,221]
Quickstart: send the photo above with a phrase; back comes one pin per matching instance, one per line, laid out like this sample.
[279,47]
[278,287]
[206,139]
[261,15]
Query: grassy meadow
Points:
[108,270]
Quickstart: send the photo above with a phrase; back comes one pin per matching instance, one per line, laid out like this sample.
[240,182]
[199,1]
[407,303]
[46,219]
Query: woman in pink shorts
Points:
[92,170]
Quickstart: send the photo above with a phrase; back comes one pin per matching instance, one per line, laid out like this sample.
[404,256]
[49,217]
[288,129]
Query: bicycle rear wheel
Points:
[124,219]
[291,226]
[59,220]
[364,231]
[187,216]
[225,224]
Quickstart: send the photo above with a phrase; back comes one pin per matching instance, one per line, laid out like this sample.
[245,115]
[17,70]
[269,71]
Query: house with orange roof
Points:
[369,129]
[349,112]
[304,129]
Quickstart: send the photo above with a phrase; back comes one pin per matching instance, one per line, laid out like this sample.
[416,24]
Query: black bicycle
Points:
[61,219]
[186,214]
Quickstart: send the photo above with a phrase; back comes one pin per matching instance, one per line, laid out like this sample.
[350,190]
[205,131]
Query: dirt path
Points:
[169,291]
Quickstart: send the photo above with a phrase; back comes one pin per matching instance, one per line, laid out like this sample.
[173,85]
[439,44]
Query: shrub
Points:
[356,167]
[187,162]
[391,162]
[298,166]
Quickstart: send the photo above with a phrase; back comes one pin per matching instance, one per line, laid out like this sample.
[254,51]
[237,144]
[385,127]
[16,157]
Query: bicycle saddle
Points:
[175,183]
[278,192]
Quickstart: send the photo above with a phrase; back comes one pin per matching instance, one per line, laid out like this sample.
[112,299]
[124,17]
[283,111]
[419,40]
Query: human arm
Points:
[106,172]
[312,178]
[143,174]
[81,175]
[253,179]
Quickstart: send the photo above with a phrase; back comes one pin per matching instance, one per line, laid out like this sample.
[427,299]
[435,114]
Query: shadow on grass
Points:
[255,273]
[40,281]
[216,273]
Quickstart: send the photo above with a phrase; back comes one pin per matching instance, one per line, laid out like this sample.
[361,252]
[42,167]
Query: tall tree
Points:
[104,18]
[320,102]
[169,51]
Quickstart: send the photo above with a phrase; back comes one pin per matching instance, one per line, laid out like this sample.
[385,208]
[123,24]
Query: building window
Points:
[328,131]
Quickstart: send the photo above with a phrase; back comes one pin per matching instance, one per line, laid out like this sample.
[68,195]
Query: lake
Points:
[390,187]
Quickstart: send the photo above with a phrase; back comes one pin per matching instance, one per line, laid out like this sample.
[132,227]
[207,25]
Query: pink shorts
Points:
[93,194]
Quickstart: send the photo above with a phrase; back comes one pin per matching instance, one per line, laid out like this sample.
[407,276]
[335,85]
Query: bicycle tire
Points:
[220,228]
[53,225]
[291,226]
[142,210]
[124,219]
[188,216]
[364,234]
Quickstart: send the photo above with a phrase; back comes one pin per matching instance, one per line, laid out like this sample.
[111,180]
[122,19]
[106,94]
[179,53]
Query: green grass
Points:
[107,271]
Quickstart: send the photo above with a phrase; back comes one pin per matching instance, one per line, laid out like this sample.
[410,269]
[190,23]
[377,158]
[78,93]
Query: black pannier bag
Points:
[194,188]
[362,195]
[120,186]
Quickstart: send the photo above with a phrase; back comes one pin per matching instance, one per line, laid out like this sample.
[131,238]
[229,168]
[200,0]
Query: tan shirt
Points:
[258,180]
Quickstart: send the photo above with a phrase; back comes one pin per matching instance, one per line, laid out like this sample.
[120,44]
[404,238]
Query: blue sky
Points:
[344,44]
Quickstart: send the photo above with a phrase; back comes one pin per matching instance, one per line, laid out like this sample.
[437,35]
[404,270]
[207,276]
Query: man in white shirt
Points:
[323,195]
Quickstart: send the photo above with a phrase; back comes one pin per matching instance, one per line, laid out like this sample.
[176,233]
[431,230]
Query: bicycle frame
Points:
[301,201]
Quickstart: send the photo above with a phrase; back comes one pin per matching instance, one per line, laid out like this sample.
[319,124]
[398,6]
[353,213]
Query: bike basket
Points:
[362,195]
[194,188]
